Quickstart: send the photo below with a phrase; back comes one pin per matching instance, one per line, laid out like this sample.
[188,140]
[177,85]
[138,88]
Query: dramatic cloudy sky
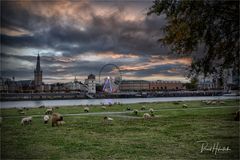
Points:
[79,37]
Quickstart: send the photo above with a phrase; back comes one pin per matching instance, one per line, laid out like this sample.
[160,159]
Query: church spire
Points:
[38,68]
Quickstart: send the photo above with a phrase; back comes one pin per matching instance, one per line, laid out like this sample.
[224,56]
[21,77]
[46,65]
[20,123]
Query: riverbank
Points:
[173,133]
[79,95]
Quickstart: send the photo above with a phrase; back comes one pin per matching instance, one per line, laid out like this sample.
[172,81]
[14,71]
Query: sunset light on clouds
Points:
[79,37]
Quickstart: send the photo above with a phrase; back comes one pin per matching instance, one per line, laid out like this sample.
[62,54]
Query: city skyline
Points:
[78,38]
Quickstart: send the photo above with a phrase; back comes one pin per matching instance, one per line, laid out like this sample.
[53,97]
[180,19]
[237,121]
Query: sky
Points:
[76,38]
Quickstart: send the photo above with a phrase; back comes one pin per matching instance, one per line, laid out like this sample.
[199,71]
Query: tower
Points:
[38,75]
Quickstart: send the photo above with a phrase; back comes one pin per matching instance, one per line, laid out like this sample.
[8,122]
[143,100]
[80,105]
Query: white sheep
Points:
[26,120]
[46,119]
[103,107]
[185,106]
[143,108]
[151,110]
[135,111]
[146,116]
[49,111]
[86,109]
[108,119]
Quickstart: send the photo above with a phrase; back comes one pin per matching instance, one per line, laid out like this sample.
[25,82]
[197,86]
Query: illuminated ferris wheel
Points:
[110,78]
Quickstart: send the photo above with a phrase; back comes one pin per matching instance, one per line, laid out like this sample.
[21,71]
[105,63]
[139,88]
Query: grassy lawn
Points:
[173,133]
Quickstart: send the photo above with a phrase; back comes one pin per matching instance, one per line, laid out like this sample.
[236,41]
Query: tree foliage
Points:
[207,30]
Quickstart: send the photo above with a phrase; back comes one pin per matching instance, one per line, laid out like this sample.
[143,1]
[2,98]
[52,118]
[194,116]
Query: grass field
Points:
[173,133]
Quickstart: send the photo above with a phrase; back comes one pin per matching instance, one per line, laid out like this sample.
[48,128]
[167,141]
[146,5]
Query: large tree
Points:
[207,30]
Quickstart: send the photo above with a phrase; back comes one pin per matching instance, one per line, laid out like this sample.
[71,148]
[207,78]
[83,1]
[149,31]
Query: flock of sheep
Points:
[57,119]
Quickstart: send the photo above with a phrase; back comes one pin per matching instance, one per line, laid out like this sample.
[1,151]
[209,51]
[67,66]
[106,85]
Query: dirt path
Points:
[121,114]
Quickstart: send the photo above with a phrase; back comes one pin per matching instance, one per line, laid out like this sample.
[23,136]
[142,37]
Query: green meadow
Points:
[173,133]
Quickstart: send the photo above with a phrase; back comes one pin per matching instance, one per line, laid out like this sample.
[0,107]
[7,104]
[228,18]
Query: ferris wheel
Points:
[110,78]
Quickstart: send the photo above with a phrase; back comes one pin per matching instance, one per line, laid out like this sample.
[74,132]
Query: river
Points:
[52,103]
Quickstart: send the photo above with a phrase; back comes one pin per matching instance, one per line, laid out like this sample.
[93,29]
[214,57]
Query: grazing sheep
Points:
[143,108]
[128,109]
[86,109]
[46,119]
[49,111]
[135,111]
[222,102]
[151,110]
[208,102]
[146,116]
[55,118]
[22,112]
[60,123]
[26,120]
[185,106]
[236,118]
[103,107]
[214,102]
[107,119]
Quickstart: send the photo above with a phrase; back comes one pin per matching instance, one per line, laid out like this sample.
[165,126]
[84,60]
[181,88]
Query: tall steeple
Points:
[38,68]
[38,75]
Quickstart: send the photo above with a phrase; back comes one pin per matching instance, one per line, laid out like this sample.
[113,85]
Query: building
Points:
[134,85]
[207,83]
[90,82]
[75,86]
[165,85]
[38,76]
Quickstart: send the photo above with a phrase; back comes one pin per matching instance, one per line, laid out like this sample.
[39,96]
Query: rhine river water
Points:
[74,102]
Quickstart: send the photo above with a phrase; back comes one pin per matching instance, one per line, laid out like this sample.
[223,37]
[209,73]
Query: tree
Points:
[207,30]
[193,84]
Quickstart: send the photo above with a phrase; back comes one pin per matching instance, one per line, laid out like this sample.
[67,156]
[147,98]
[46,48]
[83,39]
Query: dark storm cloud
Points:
[103,33]
[76,28]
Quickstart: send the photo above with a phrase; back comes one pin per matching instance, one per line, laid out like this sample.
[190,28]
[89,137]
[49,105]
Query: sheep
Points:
[213,102]
[55,118]
[208,102]
[103,107]
[185,106]
[146,116]
[128,109]
[60,123]
[151,110]
[135,111]
[46,119]
[26,120]
[143,108]
[222,102]
[22,112]
[236,118]
[107,119]
[86,109]
[49,111]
